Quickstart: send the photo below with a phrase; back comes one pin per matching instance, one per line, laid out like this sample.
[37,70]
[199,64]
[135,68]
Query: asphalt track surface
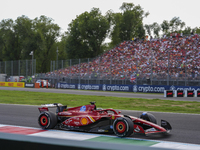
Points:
[185,127]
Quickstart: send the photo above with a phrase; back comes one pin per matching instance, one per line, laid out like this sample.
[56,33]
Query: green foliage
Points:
[8,40]
[165,27]
[46,39]
[18,38]
[128,24]
[62,54]
[86,34]
[148,28]
[115,31]
[25,37]
[156,28]
[75,47]
[197,30]
[187,31]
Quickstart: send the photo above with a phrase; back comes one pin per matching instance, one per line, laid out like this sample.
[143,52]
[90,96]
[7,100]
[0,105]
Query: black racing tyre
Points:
[148,117]
[47,120]
[123,126]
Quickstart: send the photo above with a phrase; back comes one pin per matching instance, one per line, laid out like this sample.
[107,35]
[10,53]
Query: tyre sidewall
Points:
[51,118]
[47,115]
[126,130]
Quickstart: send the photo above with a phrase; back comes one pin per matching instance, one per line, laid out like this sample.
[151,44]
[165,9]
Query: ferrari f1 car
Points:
[90,119]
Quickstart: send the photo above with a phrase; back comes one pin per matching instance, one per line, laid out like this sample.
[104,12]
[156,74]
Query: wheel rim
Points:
[43,120]
[120,127]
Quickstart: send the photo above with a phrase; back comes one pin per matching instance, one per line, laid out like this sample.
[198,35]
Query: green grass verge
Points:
[38,98]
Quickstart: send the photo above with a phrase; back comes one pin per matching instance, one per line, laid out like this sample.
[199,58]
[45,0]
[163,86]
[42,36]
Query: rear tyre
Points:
[47,120]
[123,126]
[148,117]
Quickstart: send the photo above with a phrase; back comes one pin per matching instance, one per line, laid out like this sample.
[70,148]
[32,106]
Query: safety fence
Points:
[18,68]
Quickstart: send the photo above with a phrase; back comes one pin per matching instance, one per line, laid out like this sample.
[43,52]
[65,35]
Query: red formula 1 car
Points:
[90,119]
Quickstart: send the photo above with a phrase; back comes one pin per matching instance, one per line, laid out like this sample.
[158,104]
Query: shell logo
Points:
[84,121]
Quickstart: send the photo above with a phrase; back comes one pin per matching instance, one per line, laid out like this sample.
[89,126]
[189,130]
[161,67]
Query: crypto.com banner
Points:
[125,88]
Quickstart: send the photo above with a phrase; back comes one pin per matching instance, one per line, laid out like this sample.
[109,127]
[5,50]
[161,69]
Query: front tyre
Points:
[47,120]
[123,126]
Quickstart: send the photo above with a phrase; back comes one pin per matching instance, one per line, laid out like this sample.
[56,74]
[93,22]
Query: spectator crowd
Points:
[176,57]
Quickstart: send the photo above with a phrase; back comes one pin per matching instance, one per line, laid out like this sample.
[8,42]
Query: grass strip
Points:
[38,98]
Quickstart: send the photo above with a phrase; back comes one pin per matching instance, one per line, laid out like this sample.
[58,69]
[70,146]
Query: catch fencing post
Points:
[5,67]
[47,84]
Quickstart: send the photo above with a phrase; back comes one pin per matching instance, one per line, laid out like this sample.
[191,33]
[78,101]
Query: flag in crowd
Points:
[132,78]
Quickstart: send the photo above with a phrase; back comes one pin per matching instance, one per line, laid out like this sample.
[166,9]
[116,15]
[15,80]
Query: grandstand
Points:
[170,60]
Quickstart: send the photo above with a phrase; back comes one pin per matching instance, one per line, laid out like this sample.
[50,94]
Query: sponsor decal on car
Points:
[101,130]
[137,129]
[150,130]
[91,119]
[68,121]
[76,123]
[84,121]
[76,118]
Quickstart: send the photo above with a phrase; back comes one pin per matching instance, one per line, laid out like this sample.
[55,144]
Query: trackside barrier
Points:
[23,142]
[124,88]
[168,93]
[13,84]
[197,93]
[181,93]
[37,85]
[29,85]
[189,93]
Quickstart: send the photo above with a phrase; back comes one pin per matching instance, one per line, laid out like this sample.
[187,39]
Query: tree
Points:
[8,41]
[129,23]
[156,28]
[75,47]
[25,34]
[197,30]
[165,27]
[141,31]
[115,31]
[187,31]
[86,34]
[148,28]
[61,45]
[45,37]
[176,24]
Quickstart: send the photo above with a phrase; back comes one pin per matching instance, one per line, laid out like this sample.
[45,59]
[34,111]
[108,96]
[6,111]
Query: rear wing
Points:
[45,107]
[51,105]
